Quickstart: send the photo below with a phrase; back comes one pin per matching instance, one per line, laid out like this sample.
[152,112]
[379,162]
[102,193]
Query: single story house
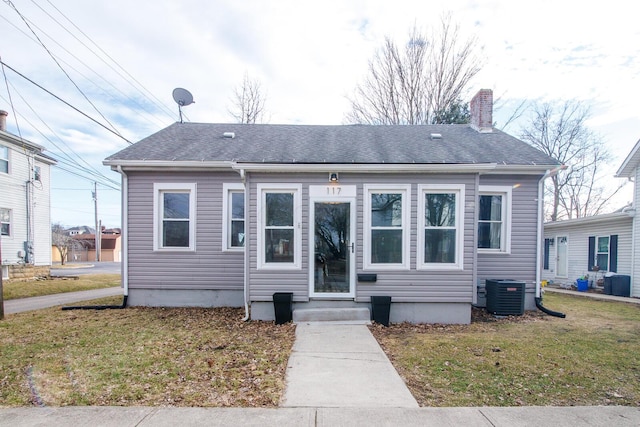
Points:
[630,169]
[591,246]
[229,214]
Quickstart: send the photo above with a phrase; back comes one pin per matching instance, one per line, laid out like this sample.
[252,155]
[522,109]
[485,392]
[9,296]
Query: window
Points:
[440,226]
[174,216]
[279,219]
[233,217]
[602,253]
[4,159]
[5,222]
[494,212]
[387,224]
[37,173]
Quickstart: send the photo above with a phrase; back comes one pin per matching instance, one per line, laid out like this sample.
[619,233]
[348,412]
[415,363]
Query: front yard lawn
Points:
[56,285]
[590,358]
[142,356]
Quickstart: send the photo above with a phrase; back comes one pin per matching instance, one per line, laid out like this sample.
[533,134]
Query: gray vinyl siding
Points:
[578,247]
[208,267]
[520,264]
[404,285]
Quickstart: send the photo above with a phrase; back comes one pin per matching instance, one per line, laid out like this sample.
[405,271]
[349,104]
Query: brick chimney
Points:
[3,120]
[481,108]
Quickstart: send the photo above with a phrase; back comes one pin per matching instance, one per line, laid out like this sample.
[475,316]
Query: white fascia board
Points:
[365,168]
[188,165]
[588,220]
[630,163]
[522,169]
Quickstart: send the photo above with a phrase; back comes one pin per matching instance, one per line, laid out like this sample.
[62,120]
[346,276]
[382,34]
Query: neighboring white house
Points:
[630,169]
[572,248]
[25,205]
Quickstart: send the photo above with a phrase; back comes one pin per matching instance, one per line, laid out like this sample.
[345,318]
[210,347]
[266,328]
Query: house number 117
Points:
[334,191]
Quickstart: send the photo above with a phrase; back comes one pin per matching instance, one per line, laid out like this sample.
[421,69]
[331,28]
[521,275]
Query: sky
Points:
[118,62]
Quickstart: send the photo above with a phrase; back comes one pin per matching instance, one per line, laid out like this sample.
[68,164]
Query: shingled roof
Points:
[341,144]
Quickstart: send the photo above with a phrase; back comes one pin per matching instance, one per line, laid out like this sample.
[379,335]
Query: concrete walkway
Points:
[137,416]
[592,295]
[342,366]
[36,303]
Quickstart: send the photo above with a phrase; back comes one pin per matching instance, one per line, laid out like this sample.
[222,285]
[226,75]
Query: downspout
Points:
[243,178]
[124,264]
[539,243]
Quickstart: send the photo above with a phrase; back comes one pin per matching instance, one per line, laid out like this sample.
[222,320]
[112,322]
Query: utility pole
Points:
[95,210]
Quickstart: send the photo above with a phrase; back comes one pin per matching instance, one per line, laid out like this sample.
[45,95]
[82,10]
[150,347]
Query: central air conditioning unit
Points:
[505,297]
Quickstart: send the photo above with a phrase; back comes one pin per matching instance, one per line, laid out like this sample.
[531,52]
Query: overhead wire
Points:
[10,3]
[141,108]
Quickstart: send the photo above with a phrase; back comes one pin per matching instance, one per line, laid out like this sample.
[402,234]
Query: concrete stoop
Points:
[350,315]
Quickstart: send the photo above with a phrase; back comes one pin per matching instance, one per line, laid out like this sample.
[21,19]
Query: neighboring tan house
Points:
[83,248]
[25,206]
[229,214]
[574,248]
[630,169]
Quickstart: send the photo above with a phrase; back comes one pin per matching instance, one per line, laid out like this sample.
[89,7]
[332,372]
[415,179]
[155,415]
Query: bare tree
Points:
[420,84]
[560,132]
[248,103]
[61,240]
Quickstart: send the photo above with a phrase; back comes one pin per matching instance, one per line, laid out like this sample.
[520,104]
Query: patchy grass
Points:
[56,285]
[589,358]
[142,356]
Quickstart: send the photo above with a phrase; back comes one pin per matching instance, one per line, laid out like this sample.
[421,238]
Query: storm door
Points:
[562,264]
[333,248]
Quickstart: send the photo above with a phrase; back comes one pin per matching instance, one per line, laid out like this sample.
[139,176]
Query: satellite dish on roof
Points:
[182,97]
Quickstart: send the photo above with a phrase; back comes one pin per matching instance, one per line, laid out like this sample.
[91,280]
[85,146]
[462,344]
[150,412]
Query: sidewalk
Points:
[109,416]
[592,295]
[36,303]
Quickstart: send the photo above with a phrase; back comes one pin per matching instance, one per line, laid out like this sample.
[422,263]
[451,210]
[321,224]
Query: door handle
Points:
[353,247]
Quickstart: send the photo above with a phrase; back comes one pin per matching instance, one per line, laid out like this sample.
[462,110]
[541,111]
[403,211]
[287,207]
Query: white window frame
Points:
[405,191]
[227,190]
[459,191]
[505,192]
[5,159]
[10,235]
[597,252]
[296,190]
[158,189]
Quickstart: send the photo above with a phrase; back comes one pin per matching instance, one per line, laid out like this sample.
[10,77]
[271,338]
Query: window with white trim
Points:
[174,216]
[233,217]
[387,224]
[5,222]
[279,226]
[494,219]
[440,226]
[602,252]
[4,159]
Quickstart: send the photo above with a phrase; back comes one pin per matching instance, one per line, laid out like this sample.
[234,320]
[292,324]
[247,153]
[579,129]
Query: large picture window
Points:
[387,223]
[440,219]
[494,212]
[279,219]
[174,216]
[233,217]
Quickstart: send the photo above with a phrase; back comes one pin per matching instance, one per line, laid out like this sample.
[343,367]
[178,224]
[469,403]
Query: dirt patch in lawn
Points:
[142,356]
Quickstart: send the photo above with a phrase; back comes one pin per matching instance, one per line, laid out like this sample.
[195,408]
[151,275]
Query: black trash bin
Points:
[283,307]
[380,308]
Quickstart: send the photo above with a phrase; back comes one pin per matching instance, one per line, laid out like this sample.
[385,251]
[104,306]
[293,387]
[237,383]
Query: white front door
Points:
[332,241]
[562,258]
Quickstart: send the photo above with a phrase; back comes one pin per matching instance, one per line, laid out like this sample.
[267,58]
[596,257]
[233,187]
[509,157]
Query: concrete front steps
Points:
[350,315]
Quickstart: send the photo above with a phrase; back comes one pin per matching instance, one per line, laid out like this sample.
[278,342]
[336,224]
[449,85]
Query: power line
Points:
[60,66]
[63,101]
